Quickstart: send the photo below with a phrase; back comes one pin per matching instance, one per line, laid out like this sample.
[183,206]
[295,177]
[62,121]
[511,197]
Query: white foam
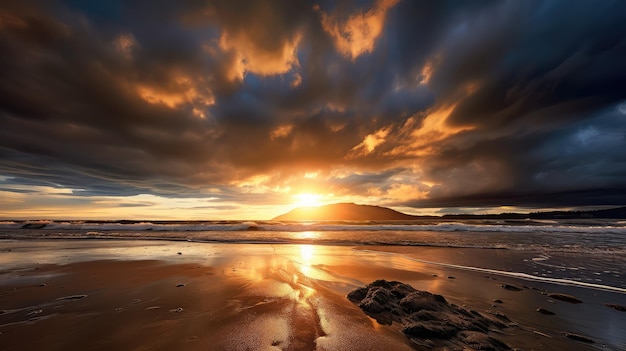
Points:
[519,275]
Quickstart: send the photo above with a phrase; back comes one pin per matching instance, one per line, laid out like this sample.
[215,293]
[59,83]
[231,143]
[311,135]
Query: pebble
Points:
[564,297]
[579,337]
[510,287]
[544,311]
[72,297]
[616,307]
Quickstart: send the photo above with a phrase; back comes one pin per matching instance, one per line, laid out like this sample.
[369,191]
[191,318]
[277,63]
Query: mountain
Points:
[354,212]
[344,212]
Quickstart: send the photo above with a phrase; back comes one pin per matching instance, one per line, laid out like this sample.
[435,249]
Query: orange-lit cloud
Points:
[181,90]
[251,56]
[369,143]
[250,102]
[357,34]
[124,44]
[281,131]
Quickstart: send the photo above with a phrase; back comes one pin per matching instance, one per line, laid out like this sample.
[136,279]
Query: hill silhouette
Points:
[344,212]
[354,212]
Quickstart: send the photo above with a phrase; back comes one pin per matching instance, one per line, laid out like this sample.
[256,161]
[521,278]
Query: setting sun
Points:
[307,200]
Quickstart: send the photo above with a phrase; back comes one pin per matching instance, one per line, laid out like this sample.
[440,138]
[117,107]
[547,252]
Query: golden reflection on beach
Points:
[307,235]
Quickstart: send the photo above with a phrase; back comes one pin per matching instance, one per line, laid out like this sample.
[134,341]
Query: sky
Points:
[234,109]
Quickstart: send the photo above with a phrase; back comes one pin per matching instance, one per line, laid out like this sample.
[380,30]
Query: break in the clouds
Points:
[224,108]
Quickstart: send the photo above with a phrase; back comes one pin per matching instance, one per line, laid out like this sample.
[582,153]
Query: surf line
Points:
[519,275]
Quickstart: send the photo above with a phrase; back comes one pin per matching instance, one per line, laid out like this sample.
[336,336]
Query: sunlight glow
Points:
[307,253]
[307,200]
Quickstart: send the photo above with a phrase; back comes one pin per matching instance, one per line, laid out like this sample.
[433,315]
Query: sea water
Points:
[589,253]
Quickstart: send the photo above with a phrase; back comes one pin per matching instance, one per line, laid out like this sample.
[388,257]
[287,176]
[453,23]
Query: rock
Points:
[497,301]
[481,341]
[579,337]
[544,311]
[616,307]
[429,330]
[499,315]
[427,319]
[510,287]
[564,297]
[72,297]
[34,226]
[358,294]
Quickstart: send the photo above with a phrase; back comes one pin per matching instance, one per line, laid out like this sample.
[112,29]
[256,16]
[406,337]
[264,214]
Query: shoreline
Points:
[236,295]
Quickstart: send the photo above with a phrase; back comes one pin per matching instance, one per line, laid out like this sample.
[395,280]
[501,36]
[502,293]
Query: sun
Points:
[307,200]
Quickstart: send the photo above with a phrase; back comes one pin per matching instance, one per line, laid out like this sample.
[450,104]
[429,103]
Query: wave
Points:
[226,226]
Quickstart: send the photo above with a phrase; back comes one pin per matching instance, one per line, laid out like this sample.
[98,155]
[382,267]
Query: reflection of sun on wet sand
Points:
[143,295]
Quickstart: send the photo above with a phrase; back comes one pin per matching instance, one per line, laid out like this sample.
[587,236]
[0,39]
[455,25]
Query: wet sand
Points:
[153,295]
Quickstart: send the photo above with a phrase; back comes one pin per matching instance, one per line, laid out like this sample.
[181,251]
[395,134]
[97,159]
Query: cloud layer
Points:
[400,103]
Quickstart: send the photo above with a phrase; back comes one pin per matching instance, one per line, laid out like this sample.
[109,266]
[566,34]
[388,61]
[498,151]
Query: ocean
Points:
[587,253]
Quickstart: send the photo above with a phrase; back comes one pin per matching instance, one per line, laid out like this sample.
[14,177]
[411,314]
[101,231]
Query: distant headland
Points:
[355,212]
[344,212]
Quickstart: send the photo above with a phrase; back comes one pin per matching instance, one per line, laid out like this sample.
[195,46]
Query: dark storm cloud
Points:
[131,97]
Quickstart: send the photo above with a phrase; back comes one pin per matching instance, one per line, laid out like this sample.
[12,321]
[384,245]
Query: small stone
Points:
[451,277]
[177,310]
[579,337]
[180,285]
[497,301]
[43,284]
[180,253]
[564,297]
[616,307]
[544,311]
[510,287]
[72,297]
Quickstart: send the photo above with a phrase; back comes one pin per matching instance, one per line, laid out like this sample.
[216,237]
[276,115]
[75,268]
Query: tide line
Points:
[519,275]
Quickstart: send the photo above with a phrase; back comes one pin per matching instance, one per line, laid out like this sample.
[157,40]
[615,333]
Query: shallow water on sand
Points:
[582,251]
[185,295]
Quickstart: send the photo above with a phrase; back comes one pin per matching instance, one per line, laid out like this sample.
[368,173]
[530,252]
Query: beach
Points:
[177,295]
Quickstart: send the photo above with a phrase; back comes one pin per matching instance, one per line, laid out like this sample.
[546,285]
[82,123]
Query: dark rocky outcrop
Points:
[428,320]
